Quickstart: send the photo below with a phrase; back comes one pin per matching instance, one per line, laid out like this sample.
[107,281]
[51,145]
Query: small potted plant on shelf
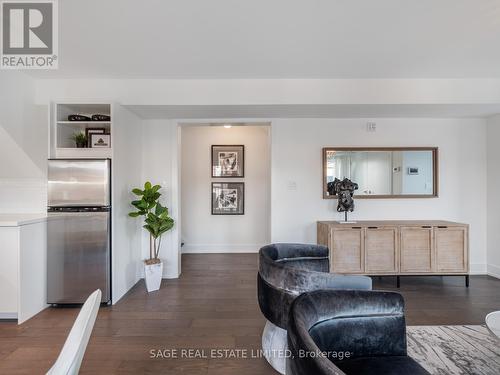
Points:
[157,222]
[80,139]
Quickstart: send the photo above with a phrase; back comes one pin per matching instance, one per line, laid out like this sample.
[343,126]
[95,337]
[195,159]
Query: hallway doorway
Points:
[225,212]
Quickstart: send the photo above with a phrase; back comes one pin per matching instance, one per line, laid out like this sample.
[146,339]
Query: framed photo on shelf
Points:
[90,131]
[228,198]
[228,161]
[100,140]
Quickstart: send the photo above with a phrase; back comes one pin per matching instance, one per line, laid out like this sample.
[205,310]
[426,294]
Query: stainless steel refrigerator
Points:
[79,230]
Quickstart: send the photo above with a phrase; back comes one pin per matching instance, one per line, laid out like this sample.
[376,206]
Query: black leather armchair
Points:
[349,332]
[285,271]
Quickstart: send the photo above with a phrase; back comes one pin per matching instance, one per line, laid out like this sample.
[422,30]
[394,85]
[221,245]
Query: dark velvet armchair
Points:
[349,332]
[286,271]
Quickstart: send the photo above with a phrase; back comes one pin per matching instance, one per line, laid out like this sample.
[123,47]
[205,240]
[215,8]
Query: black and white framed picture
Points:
[90,131]
[228,198]
[228,161]
[100,140]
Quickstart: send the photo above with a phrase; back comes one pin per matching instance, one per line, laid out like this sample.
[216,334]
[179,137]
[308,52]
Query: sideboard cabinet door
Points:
[417,249]
[347,250]
[451,249]
[381,250]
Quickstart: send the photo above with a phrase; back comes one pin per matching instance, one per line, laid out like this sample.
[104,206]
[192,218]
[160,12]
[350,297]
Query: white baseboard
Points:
[477,269]
[494,270]
[8,316]
[220,248]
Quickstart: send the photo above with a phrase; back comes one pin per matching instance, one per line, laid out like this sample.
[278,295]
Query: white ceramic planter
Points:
[153,273]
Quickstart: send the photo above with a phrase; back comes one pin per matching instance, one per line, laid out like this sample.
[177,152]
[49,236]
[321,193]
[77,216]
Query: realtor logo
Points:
[29,34]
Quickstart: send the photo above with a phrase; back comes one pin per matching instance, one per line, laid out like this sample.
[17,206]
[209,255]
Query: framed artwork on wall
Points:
[228,198]
[228,161]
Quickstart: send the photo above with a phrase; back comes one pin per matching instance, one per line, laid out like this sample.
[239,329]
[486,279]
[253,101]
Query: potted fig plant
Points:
[80,139]
[156,222]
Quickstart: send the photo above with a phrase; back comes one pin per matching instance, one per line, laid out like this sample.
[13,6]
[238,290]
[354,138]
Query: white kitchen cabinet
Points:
[23,265]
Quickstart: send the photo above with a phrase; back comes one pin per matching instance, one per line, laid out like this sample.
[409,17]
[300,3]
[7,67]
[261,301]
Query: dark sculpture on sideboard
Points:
[344,190]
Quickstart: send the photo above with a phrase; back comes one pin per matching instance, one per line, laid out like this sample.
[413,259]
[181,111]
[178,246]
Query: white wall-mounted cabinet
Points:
[61,130]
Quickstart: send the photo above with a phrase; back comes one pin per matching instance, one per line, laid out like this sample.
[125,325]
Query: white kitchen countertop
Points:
[15,220]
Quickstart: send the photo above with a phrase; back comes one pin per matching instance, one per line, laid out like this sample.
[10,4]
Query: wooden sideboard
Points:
[397,247]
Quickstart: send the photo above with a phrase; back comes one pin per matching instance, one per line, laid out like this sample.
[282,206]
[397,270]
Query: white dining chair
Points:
[71,356]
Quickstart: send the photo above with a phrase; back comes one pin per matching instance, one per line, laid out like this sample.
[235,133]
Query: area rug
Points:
[450,350]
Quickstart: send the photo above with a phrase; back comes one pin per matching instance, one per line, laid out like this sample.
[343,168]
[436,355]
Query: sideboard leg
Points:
[398,281]
[466,281]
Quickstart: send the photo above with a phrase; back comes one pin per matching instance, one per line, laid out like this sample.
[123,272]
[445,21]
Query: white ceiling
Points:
[314,111]
[278,39]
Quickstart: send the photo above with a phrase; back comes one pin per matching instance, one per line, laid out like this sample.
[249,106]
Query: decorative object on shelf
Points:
[78,117]
[100,117]
[89,118]
[228,160]
[228,198]
[90,131]
[80,139]
[157,222]
[100,140]
[344,190]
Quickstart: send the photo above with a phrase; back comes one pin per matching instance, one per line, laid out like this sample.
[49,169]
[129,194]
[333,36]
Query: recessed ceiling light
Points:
[228,126]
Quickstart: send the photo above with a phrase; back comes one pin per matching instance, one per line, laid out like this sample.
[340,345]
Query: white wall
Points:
[160,166]
[126,167]
[23,151]
[297,158]
[452,136]
[494,196]
[204,232]
[273,91]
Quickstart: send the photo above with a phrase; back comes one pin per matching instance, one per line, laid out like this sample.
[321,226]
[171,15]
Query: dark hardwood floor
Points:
[212,306]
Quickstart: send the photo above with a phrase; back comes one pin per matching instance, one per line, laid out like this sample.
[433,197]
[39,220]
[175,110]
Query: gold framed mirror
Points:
[383,172]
